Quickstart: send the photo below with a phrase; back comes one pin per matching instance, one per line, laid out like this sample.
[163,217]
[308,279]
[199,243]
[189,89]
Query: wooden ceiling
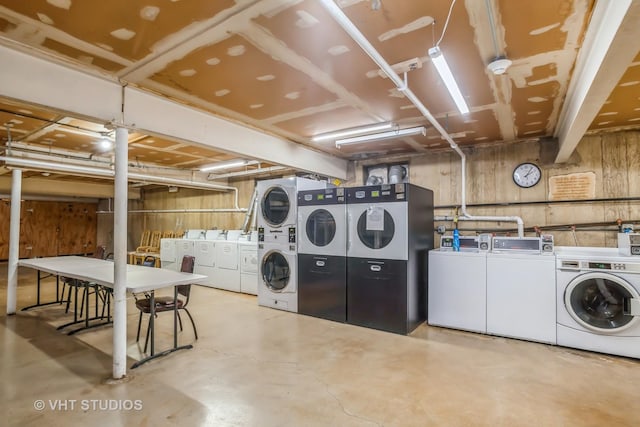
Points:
[287,68]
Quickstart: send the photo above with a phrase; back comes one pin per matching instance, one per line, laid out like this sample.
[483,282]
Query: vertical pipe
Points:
[14,241]
[120,256]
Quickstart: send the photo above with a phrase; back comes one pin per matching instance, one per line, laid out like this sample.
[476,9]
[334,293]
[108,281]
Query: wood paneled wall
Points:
[188,199]
[50,228]
[613,158]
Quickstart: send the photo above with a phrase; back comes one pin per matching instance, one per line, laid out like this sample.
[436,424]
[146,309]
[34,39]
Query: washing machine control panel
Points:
[260,234]
[595,265]
[292,234]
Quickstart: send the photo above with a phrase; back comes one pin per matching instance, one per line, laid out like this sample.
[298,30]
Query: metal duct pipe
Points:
[250,211]
[403,87]
[80,170]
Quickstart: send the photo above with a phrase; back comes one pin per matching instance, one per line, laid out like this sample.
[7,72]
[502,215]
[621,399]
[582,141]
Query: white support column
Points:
[120,256]
[14,241]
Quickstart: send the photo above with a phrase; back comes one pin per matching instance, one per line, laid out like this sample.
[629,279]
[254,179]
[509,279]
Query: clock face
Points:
[526,175]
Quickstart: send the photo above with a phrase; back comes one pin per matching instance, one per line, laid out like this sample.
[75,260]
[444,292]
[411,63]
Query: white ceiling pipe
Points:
[346,24]
[80,170]
[179,210]
[248,172]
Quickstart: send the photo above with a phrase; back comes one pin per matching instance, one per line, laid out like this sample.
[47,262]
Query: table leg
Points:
[152,322]
[38,304]
[175,317]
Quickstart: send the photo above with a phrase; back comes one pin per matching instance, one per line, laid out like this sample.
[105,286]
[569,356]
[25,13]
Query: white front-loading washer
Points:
[277,207]
[277,278]
[458,289]
[598,301]
[521,290]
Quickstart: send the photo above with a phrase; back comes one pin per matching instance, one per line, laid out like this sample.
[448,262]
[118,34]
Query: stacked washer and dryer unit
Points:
[361,252]
[277,241]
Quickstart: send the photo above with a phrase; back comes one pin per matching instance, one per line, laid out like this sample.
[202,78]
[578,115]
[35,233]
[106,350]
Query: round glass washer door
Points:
[275,271]
[275,206]
[376,239]
[320,227]
[596,301]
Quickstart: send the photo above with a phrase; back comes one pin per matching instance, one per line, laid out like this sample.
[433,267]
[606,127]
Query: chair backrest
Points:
[188,263]
[154,241]
[99,252]
[144,239]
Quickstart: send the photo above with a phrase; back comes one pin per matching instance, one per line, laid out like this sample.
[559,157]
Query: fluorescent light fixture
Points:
[229,164]
[348,132]
[420,130]
[445,74]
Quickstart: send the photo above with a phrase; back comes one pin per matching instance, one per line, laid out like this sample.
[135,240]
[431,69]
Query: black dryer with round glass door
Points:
[322,262]
[390,234]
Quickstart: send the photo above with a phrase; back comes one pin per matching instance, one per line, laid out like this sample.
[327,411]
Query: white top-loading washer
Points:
[227,274]
[457,294]
[521,290]
[168,254]
[248,251]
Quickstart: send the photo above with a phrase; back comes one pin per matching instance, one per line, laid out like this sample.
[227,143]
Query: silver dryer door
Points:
[275,206]
[276,271]
[597,301]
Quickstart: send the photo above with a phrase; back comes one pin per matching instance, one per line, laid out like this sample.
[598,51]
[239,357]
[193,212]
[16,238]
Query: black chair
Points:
[166,303]
[72,283]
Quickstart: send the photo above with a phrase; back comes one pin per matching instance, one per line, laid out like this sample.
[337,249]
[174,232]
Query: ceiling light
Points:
[106,144]
[230,164]
[348,132]
[420,130]
[445,74]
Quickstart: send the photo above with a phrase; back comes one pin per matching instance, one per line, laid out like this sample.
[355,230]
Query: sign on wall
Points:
[573,186]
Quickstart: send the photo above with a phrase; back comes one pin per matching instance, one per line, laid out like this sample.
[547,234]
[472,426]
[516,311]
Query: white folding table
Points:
[139,279]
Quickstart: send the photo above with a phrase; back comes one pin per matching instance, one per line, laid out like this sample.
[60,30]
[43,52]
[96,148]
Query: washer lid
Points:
[597,301]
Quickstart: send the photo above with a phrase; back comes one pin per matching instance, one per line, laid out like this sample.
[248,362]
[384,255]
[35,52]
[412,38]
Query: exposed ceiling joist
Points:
[68,188]
[28,78]
[610,45]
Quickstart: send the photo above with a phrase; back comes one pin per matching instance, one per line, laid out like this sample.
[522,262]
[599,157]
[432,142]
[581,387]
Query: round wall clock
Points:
[526,175]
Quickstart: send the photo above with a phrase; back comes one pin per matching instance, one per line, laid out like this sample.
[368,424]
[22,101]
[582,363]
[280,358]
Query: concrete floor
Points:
[254,366]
